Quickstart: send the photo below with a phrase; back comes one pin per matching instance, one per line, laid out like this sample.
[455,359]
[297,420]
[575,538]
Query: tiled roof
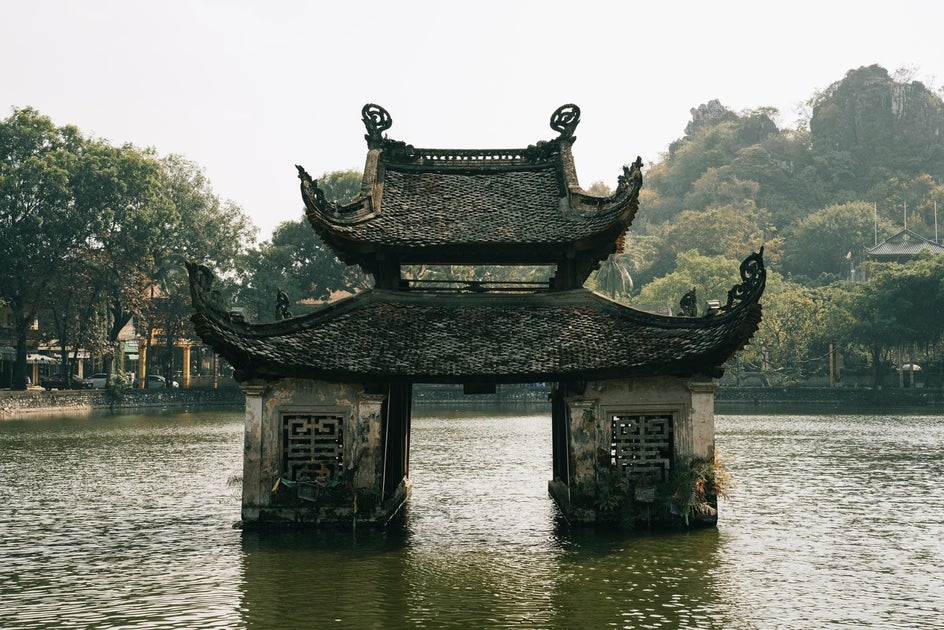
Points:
[421,209]
[423,337]
[905,243]
[416,199]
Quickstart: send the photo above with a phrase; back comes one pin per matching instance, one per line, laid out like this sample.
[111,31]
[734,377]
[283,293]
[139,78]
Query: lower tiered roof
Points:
[420,337]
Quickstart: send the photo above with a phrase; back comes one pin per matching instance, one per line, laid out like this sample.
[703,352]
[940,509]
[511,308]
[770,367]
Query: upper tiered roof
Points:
[510,206]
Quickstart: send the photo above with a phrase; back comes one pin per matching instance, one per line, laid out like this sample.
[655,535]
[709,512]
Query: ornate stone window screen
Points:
[641,445]
[312,446]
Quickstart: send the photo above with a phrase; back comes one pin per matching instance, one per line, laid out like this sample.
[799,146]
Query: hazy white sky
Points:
[247,88]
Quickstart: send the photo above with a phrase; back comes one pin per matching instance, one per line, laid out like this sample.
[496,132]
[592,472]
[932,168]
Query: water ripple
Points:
[126,522]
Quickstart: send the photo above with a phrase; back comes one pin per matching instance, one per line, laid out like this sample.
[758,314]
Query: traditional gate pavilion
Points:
[328,394]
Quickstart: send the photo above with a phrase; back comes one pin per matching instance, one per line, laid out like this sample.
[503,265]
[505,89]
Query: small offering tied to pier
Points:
[328,393]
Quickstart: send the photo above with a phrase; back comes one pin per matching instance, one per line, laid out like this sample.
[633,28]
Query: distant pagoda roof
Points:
[517,206]
[904,244]
[422,337]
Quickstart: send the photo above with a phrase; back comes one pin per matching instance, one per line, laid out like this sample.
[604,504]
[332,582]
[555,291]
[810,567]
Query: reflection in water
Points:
[127,522]
[481,545]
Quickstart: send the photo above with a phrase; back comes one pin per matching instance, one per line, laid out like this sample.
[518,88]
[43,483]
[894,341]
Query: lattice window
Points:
[312,446]
[641,445]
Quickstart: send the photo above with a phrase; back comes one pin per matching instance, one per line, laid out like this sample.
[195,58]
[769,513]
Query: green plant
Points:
[612,491]
[694,485]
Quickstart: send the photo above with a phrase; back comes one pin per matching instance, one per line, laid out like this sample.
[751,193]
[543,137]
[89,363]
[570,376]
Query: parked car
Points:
[98,380]
[60,381]
[153,380]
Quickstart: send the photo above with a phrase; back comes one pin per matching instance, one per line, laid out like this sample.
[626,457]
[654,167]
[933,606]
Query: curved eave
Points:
[382,335]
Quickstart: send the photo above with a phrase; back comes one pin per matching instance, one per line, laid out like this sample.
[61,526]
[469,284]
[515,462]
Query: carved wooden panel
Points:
[641,445]
[312,446]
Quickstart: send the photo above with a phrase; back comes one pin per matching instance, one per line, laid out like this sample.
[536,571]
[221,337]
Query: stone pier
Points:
[318,452]
[635,451]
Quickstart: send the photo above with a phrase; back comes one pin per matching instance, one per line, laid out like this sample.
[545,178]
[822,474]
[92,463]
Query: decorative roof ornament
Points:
[564,120]
[281,305]
[202,292]
[753,279]
[377,120]
[313,196]
[688,304]
[631,177]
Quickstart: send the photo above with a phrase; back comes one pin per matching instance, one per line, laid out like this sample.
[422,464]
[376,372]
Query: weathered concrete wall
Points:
[690,402]
[686,405]
[356,491]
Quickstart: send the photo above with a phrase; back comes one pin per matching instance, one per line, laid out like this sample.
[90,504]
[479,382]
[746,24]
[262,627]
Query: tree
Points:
[40,224]
[121,188]
[831,240]
[713,140]
[732,230]
[199,227]
[798,325]
[297,261]
[711,276]
[899,306]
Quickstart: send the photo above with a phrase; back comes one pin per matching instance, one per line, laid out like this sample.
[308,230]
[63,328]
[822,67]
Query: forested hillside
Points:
[869,163]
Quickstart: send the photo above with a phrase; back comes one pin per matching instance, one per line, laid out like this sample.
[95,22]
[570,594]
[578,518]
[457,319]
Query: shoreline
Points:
[36,401]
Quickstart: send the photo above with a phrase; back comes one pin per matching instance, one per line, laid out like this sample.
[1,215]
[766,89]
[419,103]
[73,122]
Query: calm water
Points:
[836,521]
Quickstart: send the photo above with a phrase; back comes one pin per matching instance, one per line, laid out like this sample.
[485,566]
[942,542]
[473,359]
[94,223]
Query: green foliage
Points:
[798,325]
[613,491]
[41,226]
[735,181]
[733,231]
[694,484]
[341,186]
[89,232]
[831,240]
[711,276]
[914,294]
[198,227]
[874,125]
[298,262]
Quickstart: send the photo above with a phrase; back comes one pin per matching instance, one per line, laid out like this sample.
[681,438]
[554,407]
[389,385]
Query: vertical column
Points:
[364,443]
[396,438]
[255,492]
[185,374]
[560,450]
[588,432]
[702,416]
[407,402]
[142,362]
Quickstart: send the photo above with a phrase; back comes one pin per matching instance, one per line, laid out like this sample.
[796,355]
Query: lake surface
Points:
[127,521]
